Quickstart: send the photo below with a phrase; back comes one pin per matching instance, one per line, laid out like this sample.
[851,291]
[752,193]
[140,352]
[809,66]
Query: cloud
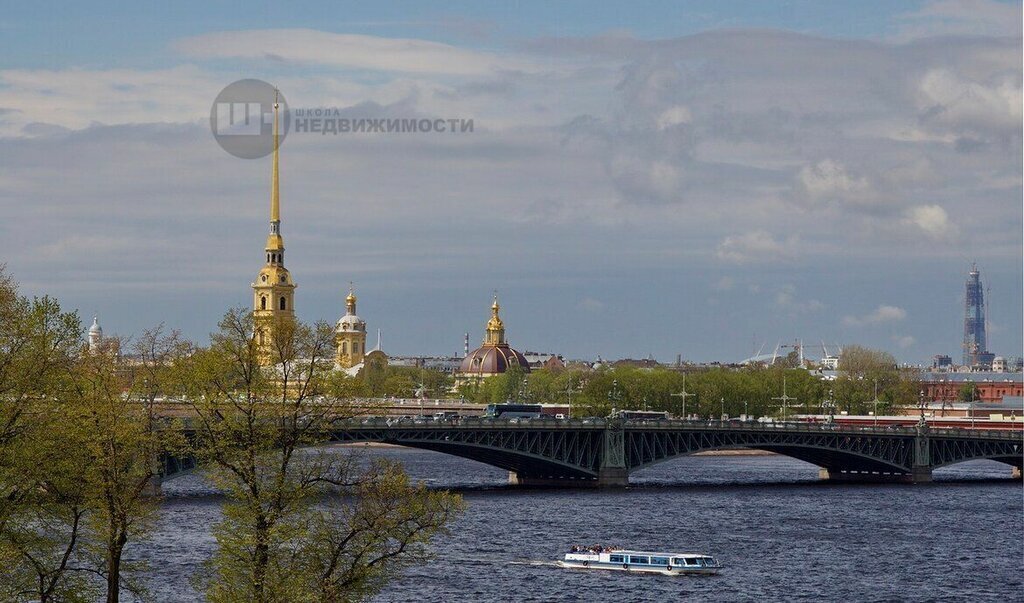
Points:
[964,105]
[904,341]
[828,180]
[882,314]
[787,299]
[350,51]
[590,304]
[79,98]
[756,246]
[726,283]
[674,116]
[961,17]
[639,160]
[931,219]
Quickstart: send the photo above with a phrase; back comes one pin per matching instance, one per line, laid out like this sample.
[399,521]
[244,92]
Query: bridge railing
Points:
[385,422]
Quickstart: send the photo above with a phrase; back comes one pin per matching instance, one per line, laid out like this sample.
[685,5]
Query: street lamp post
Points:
[875,402]
[746,417]
[921,405]
[785,399]
[613,394]
[683,394]
[831,408]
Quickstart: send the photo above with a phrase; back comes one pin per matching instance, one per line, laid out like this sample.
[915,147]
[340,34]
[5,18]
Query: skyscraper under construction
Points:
[975,346]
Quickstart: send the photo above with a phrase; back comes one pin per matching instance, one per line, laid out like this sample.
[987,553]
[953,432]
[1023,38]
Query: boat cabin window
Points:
[616,558]
[636,559]
[659,560]
[678,561]
[708,561]
[691,561]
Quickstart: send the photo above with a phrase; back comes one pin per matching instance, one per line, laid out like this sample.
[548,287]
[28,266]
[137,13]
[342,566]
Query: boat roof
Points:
[658,553]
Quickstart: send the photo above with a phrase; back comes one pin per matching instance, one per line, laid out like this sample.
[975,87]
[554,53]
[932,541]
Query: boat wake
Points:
[535,563]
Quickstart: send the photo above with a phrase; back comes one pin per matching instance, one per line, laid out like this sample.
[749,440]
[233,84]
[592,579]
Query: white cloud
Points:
[350,51]
[828,179]
[756,246]
[932,219]
[959,103]
[961,17]
[674,116]
[787,298]
[78,98]
[904,341]
[726,283]
[881,314]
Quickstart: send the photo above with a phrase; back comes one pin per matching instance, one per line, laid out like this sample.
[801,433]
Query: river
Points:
[782,534]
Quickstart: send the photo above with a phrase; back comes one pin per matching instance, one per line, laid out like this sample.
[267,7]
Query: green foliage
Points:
[76,455]
[300,523]
[968,392]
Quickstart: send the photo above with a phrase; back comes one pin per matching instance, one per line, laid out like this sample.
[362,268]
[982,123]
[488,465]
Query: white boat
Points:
[650,562]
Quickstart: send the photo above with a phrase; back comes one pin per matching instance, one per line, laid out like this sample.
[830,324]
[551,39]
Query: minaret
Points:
[273,290]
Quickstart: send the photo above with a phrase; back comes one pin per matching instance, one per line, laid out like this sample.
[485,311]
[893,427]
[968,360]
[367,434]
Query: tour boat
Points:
[670,564]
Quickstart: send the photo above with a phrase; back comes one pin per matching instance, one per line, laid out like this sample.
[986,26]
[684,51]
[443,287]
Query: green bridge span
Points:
[604,452]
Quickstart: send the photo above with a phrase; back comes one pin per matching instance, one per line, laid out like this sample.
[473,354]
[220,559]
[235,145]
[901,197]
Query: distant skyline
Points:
[651,178]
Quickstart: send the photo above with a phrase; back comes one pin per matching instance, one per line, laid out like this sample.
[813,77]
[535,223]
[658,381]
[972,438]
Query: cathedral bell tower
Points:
[273,290]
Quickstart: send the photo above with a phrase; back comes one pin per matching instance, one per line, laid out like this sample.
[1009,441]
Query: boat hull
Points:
[640,569]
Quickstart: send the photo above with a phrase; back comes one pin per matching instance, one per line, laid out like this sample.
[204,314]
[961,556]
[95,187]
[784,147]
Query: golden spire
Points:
[495,328]
[275,189]
[350,301]
[275,243]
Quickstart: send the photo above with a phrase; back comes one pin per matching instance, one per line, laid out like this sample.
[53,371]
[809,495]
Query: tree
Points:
[255,429]
[112,408]
[968,392]
[42,498]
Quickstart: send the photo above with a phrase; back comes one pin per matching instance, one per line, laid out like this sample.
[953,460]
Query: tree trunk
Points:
[114,549]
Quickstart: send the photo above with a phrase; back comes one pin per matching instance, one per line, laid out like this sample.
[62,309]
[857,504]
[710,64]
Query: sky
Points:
[704,179]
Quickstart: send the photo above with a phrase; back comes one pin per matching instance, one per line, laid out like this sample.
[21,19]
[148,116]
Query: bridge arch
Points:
[517,462]
[831,451]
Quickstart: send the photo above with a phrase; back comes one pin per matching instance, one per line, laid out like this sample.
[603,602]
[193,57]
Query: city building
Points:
[273,289]
[448,365]
[975,346]
[544,360]
[495,356]
[989,387]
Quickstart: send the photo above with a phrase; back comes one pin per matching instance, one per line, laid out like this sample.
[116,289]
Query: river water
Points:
[782,534]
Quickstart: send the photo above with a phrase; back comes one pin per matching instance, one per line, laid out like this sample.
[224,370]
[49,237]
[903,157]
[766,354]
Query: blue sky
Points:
[696,178]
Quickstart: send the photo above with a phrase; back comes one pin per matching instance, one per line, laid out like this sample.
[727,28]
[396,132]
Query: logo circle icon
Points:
[242,118]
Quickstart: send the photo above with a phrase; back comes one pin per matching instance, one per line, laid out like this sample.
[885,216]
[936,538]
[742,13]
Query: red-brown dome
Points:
[492,360]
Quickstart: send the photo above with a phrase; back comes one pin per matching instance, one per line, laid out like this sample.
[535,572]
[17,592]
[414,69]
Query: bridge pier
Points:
[607,478]
[1015,473]
[917,475]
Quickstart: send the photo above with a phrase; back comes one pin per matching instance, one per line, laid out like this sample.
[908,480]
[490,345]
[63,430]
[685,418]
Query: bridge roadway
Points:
[604,452]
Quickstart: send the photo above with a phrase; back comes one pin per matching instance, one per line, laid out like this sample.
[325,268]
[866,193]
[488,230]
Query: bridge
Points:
[604,452]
